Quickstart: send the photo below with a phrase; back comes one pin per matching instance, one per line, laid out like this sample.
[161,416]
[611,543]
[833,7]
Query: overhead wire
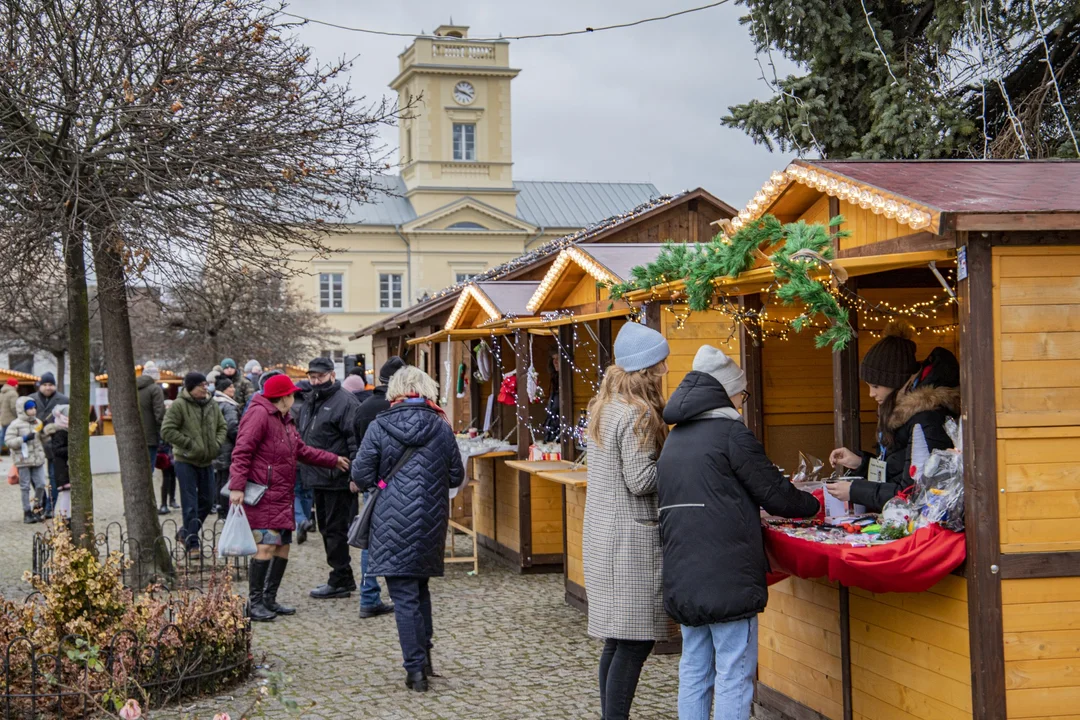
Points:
[535,36]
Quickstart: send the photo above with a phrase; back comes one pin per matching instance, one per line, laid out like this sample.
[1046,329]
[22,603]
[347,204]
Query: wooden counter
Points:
[574,483]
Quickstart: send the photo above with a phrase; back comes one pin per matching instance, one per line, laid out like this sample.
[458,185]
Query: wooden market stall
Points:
[26,381]
[171,384]
[995,638]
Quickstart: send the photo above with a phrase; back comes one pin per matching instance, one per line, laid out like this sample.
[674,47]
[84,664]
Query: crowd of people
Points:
[672,517]
[34,429]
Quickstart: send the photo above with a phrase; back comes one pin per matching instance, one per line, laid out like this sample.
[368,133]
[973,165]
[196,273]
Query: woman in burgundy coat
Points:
[268,446]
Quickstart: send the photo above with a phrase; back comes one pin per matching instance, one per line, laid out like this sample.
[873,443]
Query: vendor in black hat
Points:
[908,394]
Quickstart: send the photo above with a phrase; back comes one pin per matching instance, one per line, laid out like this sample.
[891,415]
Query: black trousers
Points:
[334,510]
[412,612]
[620,668]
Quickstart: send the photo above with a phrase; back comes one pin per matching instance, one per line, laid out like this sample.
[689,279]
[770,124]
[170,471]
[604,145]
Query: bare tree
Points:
[34,308]
[250,313]
[146,135]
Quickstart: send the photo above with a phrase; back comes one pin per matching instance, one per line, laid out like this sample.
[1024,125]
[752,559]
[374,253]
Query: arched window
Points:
[466,226]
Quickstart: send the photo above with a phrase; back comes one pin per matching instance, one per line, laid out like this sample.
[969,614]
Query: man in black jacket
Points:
[712,477]
[328,421]
[371,604]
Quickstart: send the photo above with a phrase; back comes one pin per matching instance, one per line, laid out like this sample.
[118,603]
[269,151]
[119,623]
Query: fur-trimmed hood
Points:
[910,403]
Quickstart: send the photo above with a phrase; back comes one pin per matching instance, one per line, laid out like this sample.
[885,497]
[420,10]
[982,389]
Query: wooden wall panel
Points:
[507,505]
[1042,646]
[484,473]
[702,328]
[865,226]
[547,522]
[575,519]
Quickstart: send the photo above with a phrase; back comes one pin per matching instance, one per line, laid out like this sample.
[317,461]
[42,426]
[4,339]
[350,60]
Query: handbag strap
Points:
[398,465]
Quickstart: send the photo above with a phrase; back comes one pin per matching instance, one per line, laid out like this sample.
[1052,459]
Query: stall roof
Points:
[595,233]
[924,194]
[21,376]
[495,299]
[603,262]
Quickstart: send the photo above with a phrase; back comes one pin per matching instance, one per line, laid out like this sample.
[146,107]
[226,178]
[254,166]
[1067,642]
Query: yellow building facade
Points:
[454,209]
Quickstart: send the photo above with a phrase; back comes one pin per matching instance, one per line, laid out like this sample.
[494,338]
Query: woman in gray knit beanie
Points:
[621,542]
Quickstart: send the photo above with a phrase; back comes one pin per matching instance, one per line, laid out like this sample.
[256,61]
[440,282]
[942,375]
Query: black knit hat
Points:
[891,362]
[193,380]
[222,383]
[390,367]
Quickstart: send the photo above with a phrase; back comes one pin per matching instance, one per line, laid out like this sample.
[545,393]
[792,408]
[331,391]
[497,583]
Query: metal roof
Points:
[578,204]
[621,258]
[510,296]
[543,204]
[972,186]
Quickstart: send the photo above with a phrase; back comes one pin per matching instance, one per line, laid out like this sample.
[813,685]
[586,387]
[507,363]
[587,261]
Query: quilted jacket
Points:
[408,524]
[266,452]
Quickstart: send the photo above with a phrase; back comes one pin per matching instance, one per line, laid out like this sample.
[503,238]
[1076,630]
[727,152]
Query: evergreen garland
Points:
[801,247]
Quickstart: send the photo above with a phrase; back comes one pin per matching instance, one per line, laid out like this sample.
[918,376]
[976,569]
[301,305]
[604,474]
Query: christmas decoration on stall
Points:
[462,381]
[799,247]
[483,361]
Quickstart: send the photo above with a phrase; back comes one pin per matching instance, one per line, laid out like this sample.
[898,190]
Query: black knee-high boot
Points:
[273,582]
[257,572]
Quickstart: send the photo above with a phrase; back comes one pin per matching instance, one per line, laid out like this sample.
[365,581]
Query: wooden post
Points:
[524,439]
[976,317]
[604,353]
[751,361]
[566,389]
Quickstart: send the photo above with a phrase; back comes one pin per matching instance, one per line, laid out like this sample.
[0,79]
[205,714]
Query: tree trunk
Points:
[148,548]
[60,356]
[78,307]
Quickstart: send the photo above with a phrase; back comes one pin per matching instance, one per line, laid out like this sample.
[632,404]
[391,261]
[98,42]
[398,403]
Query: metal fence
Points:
[192,567]
[75,680]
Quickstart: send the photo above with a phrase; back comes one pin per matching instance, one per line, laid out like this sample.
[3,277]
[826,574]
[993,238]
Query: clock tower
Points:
[457,142]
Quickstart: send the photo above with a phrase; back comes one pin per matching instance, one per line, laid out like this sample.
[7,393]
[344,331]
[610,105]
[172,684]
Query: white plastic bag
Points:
[236,539]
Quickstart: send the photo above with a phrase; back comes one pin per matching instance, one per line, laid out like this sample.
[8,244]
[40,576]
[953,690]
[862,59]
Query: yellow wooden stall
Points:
[171,383]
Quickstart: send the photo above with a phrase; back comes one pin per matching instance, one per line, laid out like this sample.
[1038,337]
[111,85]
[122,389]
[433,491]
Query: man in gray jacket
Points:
[152,411]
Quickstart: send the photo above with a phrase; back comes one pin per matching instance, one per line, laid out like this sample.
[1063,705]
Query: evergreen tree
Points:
[915,78]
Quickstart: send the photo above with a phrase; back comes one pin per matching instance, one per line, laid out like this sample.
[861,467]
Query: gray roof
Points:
[578,204]
[621,258]
[544,204]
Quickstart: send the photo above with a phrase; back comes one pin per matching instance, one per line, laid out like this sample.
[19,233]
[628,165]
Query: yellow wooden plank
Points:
[1043,505]
[1021,547]
[1041,645]
[802,674]
[1040,345]
[936,607]
[995,270]
[1064,672]
[1040,374]
[809,697]
[1044,450]
[1040,318]
[1041,702]
[1040,267]
[1046,251]
[816,637]
[1003,506]
[951,586]
[1035,433]
[1040,400]
[806,611]
[1058,530]
[1031,617]
[1040,291]
[1042,477]
[1042,590]
[868,707]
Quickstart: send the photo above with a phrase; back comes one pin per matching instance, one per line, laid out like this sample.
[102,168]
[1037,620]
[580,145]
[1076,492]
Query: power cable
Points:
[516,37]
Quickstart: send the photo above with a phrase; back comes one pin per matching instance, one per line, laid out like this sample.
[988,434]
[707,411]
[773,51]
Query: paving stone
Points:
[506,645]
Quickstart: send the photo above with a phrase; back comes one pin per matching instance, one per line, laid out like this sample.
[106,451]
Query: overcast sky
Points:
[640,104]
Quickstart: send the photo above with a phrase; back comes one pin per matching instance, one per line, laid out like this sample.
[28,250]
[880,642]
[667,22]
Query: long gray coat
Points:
[621,540]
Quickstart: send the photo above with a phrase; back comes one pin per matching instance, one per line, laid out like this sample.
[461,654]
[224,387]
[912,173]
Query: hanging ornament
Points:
[483,361]
[532,378]
[444,395]
[508,389]
[462,380]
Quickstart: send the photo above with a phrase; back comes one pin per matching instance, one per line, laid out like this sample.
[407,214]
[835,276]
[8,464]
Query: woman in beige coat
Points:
[621,543]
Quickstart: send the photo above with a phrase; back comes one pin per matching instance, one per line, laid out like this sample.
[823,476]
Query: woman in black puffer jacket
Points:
[408,524]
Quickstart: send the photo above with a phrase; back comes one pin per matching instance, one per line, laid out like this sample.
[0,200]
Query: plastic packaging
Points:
[941,491]
[897,518]
[809,469]
[236,539]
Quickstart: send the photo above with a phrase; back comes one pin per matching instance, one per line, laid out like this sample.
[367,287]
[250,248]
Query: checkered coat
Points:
[621,543]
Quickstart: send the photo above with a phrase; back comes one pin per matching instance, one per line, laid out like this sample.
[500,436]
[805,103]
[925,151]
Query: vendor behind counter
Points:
[908,394]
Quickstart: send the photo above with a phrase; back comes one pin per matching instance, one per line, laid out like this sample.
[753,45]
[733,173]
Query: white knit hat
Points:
[151,370]
[720,366]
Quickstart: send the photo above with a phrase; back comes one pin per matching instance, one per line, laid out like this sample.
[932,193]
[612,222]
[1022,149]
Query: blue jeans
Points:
[370,594]
[196,498]
[717,668]
[303,497]
[412,611]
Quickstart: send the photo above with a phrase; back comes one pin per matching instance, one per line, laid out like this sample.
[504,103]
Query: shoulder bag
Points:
[360,527]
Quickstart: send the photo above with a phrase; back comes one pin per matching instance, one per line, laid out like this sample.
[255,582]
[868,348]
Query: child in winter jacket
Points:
[23,437]
[57,431]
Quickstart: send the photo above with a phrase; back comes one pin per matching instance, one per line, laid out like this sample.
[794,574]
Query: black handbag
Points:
[360,527]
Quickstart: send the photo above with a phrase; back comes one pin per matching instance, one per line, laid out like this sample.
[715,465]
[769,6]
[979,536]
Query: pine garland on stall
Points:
[801,247]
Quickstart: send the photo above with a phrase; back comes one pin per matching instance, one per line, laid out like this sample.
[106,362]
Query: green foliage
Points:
[927,99]
[701,265]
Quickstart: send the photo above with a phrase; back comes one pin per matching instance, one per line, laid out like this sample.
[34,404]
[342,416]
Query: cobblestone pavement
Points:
[506,645]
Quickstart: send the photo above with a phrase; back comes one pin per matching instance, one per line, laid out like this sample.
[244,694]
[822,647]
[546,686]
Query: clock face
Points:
[464,92]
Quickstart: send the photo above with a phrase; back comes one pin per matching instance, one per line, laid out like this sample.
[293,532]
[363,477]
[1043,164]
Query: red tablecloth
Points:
[912,564]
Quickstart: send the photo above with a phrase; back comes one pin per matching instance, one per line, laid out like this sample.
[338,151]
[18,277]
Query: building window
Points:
[463,277]
[338,358]
[21,362]
[466,226]
[464,141]
[389,291]
[331,292]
